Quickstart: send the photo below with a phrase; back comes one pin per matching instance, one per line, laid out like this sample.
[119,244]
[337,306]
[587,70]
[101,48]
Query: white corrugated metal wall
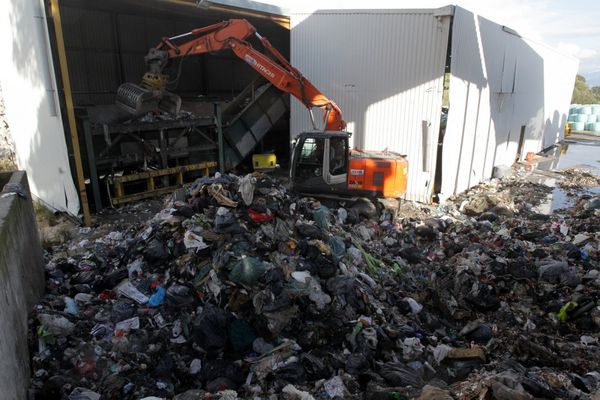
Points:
[385,69]
[500,85]
[32,106]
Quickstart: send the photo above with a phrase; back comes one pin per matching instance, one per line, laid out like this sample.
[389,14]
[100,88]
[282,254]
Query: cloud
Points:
[576,31]
[576,51]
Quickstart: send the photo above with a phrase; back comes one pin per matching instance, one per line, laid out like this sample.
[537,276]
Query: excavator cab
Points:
[320,162]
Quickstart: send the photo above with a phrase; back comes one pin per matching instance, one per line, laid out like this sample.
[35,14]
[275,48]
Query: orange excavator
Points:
[322,162]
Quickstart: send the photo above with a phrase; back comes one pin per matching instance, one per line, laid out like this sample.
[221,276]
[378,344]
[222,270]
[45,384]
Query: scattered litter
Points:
[239,288]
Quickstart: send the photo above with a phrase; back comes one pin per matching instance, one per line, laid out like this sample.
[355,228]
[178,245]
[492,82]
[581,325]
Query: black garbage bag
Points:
[357,364]
[482,334]
[164,366]
[293,373]
[460,369]
[316,367]
[122,310]
[341,285]
[426,232]
[186,211]
[353,217]
[241,335]
[156,251]
[227,223]
[209,329]
[109,281]
[400,374]
[326,268]
[215,369]
[201,203]
[521,268]
[411,254]
[112,387]
[84,277]
[540,388]
[485,300]
[310,231]
[276,280]
[180,296]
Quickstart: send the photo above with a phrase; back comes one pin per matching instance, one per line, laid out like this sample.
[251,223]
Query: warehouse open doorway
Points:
[105,44]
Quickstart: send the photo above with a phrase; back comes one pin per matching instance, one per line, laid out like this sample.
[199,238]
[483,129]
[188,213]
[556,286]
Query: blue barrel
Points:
[578,126]
[585,110]
[595,127]
[571,117]
[581,118]
[596,109]
[592,118]
[591,126]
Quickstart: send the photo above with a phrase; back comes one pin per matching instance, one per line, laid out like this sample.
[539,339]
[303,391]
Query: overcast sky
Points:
[571,26]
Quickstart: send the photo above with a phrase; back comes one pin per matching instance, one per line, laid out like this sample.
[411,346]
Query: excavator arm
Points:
[230,35]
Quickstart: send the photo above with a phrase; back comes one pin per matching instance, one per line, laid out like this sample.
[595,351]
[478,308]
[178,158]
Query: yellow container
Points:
[264,161]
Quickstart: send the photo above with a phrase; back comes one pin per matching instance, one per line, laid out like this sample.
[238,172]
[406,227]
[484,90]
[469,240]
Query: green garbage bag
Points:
[247,271]
[241,335]
[338,248]
[322,216]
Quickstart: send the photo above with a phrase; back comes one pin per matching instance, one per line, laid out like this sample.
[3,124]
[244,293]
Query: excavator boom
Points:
[226,35]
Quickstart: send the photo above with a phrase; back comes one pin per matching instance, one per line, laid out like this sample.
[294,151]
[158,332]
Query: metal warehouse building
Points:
[455,92]
[506,95]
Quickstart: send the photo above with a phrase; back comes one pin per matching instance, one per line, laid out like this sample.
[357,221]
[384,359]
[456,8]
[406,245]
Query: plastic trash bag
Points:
[246,188]
[247,271]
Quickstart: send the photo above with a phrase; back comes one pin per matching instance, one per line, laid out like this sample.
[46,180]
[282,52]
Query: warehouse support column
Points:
[89,146]
[220,137]
[64,72]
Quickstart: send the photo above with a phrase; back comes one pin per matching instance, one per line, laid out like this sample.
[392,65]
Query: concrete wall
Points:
[21,285]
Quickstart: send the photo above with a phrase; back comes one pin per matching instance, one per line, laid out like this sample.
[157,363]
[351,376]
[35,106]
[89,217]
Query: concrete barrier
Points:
[21,284]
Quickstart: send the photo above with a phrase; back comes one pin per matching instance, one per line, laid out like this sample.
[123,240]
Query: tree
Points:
[582,94]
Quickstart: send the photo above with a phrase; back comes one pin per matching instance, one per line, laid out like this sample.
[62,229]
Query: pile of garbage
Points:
[240,289]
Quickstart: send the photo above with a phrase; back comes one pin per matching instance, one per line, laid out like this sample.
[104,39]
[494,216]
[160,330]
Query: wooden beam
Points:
[64,72]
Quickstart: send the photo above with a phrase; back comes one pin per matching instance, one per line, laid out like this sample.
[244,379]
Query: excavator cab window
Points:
[310,162]
[320,163]
[338,155]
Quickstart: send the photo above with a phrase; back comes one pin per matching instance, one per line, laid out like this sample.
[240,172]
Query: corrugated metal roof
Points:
[247,5]
[385,69]
[436,12]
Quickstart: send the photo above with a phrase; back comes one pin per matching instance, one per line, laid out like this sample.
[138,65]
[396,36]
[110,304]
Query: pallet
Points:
[119,182]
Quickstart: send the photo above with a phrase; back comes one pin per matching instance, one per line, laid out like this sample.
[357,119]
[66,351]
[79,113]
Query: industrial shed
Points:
[70,138]
[431,84]
[505,95]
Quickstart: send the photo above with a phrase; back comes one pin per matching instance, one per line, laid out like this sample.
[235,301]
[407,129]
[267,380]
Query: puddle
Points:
[560,198]
[580,155]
